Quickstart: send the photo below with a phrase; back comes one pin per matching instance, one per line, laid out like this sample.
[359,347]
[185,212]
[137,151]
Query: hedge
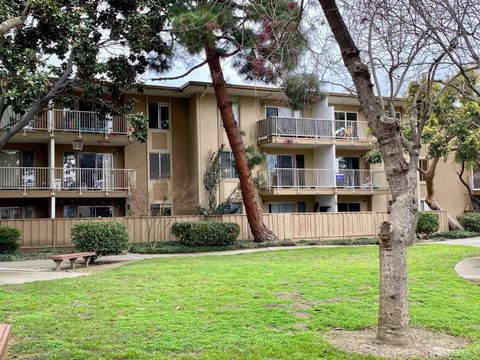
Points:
[9,239]
[428,223]
[103,237]
[470,222]
[206,233]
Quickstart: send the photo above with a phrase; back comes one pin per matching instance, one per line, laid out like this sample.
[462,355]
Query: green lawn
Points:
[269,305]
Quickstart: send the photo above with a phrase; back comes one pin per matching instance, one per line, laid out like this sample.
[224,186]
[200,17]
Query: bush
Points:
[9,239]
[428,223]
[206,233]
[470,222]
[454,234]
[103,237]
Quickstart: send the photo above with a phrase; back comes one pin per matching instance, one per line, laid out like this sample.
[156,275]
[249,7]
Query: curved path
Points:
[18,272]
[467,268]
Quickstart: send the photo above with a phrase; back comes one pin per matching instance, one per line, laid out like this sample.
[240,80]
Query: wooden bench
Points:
[5,330]
[72,257]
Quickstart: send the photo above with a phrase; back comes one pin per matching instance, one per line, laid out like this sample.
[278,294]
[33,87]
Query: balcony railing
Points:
[323,178]
[312,128]
[81,179]
[60,120]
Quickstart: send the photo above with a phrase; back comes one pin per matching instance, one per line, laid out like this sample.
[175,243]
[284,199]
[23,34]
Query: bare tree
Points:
[389,46]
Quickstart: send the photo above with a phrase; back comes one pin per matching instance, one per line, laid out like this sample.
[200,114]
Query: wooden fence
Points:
[47,233]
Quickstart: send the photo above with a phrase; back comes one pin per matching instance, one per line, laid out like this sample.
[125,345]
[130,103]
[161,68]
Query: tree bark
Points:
[254,215]
[429,176]
[10,24]
[398,231]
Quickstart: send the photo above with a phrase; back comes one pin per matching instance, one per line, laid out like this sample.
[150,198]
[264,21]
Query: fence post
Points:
[343,225]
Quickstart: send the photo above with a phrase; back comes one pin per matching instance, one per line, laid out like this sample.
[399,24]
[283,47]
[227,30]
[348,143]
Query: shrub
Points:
[9,239]
[206,233]
[454,234]
[428,223]
[470,222]
[103,237]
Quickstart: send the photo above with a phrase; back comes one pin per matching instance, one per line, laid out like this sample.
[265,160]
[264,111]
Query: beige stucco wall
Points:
[450,193]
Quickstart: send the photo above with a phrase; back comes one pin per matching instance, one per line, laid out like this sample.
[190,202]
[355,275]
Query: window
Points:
[279,161]
[236,109]
[158,116]
[9,213]
[95,211]
[279,111]
[69,211]
[227,166]
[398,116]
[422,164]
[161,209]
[159,166]
[232,208]
[348,207]
[28,212]
[271,111]
[424,206]
[277,208]
[346,124]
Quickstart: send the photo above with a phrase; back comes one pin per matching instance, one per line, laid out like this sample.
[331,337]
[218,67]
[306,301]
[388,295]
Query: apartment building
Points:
[74,162]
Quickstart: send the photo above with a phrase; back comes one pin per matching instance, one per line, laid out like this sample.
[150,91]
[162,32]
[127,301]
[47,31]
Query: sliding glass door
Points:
[96,171]
[9,169]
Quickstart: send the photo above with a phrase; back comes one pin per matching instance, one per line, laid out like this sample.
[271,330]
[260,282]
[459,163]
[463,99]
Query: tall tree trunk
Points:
[398,230]
[429,176]
[254,215]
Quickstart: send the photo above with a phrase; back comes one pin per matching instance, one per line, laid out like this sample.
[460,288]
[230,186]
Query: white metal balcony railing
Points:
[38,178]
[323,178]
[312,128]
[60,120]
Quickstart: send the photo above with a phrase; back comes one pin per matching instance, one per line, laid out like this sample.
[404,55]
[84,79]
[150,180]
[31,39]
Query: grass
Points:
[268,305]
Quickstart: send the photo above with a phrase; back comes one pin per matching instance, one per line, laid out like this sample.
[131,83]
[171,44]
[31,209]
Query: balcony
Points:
[305,132]
[35,180]
[74,121]
[322,181]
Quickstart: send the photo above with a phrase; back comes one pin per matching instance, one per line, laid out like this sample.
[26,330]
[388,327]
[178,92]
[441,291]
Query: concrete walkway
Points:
[474,241]
[19,272]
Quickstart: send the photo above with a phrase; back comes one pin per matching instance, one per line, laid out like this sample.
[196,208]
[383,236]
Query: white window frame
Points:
[279,109]
[159,121]
[231,169]
[10,208]
[159,153]
[161,208]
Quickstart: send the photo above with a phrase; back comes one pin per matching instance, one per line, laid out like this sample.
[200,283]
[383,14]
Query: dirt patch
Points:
[302,315]
[291,296]
[301,326]
[425,344]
